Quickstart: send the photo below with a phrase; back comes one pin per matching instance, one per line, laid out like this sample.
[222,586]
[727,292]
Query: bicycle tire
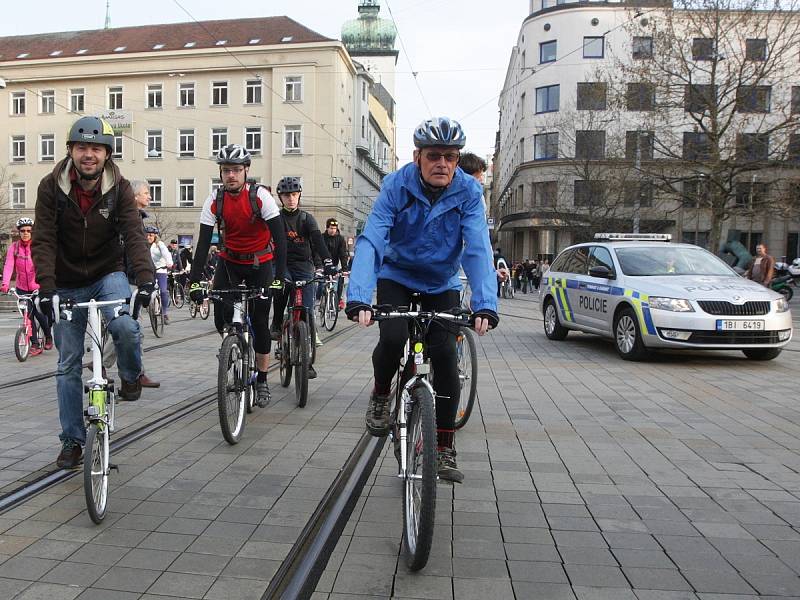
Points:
[301,364]
[232,389]
[467,375]
[178,295]
[312,341]
[192,309]
[419,495]
[251,370]
[321,307]
[156,316]
[285,358]
[95,472]
[22,344]
[205,309]
[331,311]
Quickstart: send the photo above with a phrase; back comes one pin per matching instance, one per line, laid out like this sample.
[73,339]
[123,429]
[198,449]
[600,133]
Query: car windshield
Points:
[670,260]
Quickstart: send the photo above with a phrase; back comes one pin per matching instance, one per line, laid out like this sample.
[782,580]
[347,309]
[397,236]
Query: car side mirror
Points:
[602,272]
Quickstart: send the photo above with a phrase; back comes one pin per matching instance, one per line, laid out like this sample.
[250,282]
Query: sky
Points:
[459,48]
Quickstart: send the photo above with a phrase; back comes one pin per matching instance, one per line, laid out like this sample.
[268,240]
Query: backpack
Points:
[254,208]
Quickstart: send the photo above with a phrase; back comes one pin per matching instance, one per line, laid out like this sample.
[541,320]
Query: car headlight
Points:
[781,305]
[673,304]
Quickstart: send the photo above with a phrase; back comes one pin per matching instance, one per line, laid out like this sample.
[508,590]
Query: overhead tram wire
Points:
[414,73]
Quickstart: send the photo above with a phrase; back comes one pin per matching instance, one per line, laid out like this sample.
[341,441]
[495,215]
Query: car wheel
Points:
[627,337]
[761,353]
[553,328]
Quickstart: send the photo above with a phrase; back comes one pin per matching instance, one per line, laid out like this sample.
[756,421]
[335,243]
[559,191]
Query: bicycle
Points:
[413,430]
[296,348]
[203,307]
[329,302]
[236,376]
[100,410]
[29,328]
[176,290]
[507,289]
[155,310]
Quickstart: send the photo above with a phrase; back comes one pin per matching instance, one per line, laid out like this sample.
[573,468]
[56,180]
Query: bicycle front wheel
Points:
[156,316]
[285,354]
[301,338]
[95,472]
[178,295]
[232,389]
[205,309]
[331,310]
[22,344]
[467,353]
[419,490]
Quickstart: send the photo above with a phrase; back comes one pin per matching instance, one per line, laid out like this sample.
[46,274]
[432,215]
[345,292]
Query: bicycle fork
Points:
[404,411]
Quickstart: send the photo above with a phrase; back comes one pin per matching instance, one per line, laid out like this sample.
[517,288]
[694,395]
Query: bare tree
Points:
[8,215]
[162,220]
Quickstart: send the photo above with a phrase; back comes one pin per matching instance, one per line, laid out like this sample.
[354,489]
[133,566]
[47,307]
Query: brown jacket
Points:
[81,249]
[767,270]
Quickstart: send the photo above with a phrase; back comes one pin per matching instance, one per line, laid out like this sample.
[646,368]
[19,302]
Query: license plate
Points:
[735,325]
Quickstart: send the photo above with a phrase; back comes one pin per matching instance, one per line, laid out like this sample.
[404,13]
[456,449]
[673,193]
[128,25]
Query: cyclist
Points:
[474,165]
[252,240]
[337,247]
[303,239]
[162,259]
[427,221]
[82,209]
[18,259]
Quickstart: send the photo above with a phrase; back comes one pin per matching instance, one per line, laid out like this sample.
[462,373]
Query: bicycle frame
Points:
[23,307]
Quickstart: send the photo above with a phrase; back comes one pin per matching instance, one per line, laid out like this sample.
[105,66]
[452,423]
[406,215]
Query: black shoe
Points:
[377,419]
[131,390]
[274,334]
[70,455]
[263,397]
[312,374]
[448,471]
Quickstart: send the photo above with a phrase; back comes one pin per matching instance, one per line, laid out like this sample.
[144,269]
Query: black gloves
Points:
[196,293]
[490,315]
[328,267]
[143,294]
[45,303]
[353,308]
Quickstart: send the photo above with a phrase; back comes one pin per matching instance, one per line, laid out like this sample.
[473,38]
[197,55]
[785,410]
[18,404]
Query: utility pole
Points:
[637,167]
[108,14]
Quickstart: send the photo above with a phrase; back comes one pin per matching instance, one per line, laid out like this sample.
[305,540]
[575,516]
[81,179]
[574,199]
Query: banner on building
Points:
[118,119]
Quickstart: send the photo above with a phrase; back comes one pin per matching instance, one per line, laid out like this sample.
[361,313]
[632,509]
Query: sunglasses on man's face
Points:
[450,157]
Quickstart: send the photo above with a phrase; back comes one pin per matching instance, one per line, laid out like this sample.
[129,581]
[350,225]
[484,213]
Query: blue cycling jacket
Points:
[421,247]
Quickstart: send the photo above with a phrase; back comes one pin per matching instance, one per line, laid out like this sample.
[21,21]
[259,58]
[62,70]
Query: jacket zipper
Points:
[85,264]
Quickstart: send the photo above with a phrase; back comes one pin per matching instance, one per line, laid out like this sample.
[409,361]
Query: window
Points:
[590,145]
[18,148]
[18,195]
[643,190]
[752,146]
[216,183]
[544,194]
[219,138]
[600,257]
[592,95]
[793,149]
[642,47]
[588,192]
[560,262]
[156,192]
[114,98]
[702,49]
[18,103]
[294,89]
[545,146]
[292,142]
[186,142]
[186,94]
[363,91]
[640,96]
[219,93]
[76,100]
[252,139]
[117,153]
[795,99]
[756,49]
[644,139]
[185,193]
[699,98]
[547,51]
[698,238]
[47,147]
[155,143]
[578,262]
[749,194]
[593,47]
[695,146]
[695,193]
[754,98]
[547,99]
[48,102]
[155,95]
[252,91]
[363,126]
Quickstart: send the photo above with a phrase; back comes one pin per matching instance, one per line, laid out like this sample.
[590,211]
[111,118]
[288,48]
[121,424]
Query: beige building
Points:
[176,93]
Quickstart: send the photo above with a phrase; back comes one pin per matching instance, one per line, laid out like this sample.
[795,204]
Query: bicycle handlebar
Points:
[18,296]
[69,304]
[303,283]
[382,313]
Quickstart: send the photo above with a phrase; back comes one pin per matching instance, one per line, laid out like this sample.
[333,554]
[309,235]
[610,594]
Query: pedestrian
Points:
[762,268]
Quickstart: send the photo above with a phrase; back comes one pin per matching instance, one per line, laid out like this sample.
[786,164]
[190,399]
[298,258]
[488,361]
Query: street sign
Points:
[490,222]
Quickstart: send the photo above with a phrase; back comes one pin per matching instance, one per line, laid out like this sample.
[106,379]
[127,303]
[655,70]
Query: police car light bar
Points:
[633,237]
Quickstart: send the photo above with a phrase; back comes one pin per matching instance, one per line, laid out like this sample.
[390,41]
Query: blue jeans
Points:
[69,338]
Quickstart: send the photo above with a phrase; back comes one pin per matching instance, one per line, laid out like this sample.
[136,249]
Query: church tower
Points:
[370,40]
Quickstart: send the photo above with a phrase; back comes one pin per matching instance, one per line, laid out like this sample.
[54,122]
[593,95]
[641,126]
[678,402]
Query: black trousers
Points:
[441,343]
[227,276]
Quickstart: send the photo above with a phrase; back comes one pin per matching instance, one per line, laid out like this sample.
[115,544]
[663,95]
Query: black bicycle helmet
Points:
[92,130]
[233,154]
[288,185]
[151,229]
[24,222]
[439,131]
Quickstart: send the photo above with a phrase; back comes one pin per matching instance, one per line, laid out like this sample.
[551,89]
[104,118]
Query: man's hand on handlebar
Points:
[360,313]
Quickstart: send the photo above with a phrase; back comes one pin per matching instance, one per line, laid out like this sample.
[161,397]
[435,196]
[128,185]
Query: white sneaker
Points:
[317,340]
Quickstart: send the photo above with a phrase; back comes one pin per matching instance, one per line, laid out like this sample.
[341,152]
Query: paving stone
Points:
[181,585]
[127,579]
[75,574]
[719,582]
[147,558]
[479,589]
[425,586]
[49,591]
[545,572]
[595,576]
[656,579]
[26,567]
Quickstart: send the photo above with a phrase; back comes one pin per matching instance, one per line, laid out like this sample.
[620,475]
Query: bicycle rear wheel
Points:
[205,309]
[156,316]
[419,490]
[178,295]
[331,310]
[95,472]
[285,354]
[301,363]
[467,353]
[22,344]
[232,389]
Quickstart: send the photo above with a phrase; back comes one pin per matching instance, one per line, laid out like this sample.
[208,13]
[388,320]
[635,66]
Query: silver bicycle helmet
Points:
[439,131]
[233,154]
[24,222]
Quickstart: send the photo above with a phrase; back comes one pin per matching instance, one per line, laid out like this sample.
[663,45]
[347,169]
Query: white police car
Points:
[644,292]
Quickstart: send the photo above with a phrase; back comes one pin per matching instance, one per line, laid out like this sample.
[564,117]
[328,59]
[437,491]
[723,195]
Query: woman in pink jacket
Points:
[19,259]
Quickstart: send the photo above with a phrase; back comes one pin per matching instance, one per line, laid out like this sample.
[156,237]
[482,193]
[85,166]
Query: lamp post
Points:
[637,201]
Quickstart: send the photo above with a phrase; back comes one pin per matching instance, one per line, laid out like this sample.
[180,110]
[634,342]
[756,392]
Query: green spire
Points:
[369,32]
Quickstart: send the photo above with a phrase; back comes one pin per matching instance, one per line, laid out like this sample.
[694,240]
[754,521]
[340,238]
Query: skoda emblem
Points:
[738,299]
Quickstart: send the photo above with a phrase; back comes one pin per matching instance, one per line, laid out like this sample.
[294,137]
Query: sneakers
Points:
[341,304]
[48,343]
[312,374]
[263,396]
[131,390]
[448,471]
[70,455]
[36,350]
[317,340]
[166,320]
[377,419]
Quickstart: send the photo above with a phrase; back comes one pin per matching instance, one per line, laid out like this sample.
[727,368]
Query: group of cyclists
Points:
[90,240]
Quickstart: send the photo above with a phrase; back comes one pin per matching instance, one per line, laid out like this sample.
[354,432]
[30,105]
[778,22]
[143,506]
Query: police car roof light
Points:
[633,237]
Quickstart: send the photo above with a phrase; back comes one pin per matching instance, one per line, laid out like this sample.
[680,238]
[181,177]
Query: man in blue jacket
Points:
[428,220]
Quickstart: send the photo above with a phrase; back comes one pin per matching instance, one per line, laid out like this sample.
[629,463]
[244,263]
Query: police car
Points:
[645,292]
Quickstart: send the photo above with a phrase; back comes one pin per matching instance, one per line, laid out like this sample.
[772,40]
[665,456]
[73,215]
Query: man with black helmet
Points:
[82,209]
[252,241]
[427,221]
[337,247]
[303,240]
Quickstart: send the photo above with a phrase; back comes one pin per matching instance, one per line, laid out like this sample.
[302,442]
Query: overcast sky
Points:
[459,48]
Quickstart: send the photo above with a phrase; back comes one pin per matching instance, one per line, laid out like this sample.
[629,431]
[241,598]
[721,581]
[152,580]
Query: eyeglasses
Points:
[450,157]
[232,170]
[25,231]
